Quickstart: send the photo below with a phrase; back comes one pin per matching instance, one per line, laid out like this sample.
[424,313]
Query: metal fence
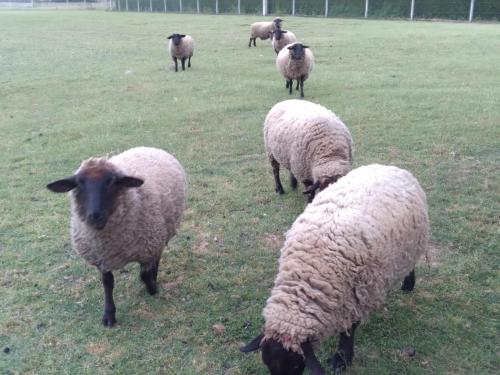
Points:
[409,9]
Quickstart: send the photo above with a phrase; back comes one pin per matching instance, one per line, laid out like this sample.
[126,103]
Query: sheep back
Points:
[294,69]
[262,30]
[184,50]
[145,218]
[357,239]
[308,139]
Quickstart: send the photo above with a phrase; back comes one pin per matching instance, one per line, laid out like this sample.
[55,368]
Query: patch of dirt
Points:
[201,247]
[272,241]
[435,252]
[97,348]
[172,285]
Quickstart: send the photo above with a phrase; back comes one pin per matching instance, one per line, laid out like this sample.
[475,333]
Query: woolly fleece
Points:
[286,38]
[294,69]
[184,50]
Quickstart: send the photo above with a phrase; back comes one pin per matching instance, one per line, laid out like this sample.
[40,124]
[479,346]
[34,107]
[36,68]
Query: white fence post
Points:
[151,6]
[198,6]
[180,6]
[366,8]
[471,11]
[119,5]
[239,6]
[293,7]
[326,8]
[165,6]
[412,10]
[138,9]
[264,7]
[216,6]
[85,3]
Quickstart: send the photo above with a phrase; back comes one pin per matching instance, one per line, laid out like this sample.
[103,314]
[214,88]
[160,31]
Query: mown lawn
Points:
[422,96]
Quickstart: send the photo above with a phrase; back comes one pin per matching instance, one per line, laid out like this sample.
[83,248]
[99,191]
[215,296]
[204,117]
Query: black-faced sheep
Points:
[281,38]
[125,209]
[308,140]
[181,47]
[295,61]
[356,240]
[263,30]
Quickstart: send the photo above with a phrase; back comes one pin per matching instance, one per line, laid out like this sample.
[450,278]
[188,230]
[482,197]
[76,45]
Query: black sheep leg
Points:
[108,283]
[149,275]
[345,352]
[254,42]
[175,62]
[290,86]
[409,282]
[293,181]
[301,87]
[297,87]
[276,173]
[183,62]
[189,62]
[287,83]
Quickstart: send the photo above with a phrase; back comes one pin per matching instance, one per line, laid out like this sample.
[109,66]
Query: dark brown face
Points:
[280,361]
[297,51]
[176,38]
[96,192]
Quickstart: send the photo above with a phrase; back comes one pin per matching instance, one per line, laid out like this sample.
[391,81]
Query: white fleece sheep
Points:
[308,140]
[358,238]
[181,47]
[281,38]
[125,209]
[294,62]
[263,30]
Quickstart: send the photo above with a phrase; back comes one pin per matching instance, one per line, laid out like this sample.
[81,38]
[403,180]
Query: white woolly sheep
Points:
[181,47]
[295,61]
[353,243]
[308,140]
[125,209]
[281,38]
[263,30]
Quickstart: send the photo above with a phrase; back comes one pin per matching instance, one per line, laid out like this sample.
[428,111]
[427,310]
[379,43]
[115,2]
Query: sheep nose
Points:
[96,219]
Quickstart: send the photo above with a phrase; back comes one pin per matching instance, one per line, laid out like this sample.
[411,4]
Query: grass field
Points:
[422,96]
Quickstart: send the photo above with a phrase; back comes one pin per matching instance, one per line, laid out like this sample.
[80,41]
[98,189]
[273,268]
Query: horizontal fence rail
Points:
[407,9]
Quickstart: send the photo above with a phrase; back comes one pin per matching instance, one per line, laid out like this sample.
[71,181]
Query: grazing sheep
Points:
[308,140]
[263,30]
[355,241]
[281,38]
[181,47]
[295,61]
[125,209]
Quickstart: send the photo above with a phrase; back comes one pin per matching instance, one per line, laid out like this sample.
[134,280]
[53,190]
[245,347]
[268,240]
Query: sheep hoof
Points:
[280,191]
[338,363]
[152,288]
[108,320]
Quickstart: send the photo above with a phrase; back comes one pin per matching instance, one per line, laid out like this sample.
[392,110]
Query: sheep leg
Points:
[189,62]
[409,282]
[183,62]
[108,283]
[254,42]
[175,62]
[276,173]
[149,275]
[287,83]
[301,87]
[297,87]
[293,181]
[345,352]
[290,86]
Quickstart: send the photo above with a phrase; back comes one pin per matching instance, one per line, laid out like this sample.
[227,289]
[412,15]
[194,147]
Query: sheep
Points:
[308,140]
[281,38]
[295,61]
[181,47]
[125,209]
[356,240]
[263,30]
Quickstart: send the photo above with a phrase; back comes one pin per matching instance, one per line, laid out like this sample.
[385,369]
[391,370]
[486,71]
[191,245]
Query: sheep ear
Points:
[284,31]
[63,186]
[303,46]
[129,182]
[182,35]
[170,37]
[311,361]
[312,188]
[291,47]
[252,345]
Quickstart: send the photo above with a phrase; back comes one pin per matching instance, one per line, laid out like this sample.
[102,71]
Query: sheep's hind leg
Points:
[409,282]
[175,62]
[149,275]
[108,283]
[290,86]
[293,181]
[287,83]
[276,173]
[189,62]
[297,87]
[345,352]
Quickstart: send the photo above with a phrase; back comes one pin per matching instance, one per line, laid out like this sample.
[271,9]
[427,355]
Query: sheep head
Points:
[176,38]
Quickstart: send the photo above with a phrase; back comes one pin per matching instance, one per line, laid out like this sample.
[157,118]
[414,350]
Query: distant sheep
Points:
[125,209]
[295,61]
[181,47]
[281,38]
[353,243]
[263,30]
[308,140]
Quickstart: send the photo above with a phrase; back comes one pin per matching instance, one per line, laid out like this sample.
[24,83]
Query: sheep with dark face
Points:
[181,47]
[263,30]
[357,240]
[281,38]
[125,209]
[295,61]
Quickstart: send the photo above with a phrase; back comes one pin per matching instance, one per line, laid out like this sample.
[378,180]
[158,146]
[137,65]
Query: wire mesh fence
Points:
[407,9]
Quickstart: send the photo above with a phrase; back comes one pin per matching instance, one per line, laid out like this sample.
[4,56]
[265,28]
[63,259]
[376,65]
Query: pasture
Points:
[423,96]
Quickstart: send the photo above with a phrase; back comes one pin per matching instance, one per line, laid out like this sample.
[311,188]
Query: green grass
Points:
[423,96]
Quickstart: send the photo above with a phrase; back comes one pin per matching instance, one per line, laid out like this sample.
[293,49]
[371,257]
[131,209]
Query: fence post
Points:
[293,7]
[264,7]
[126,5]
[471,11]
[216,6]
[239,6]
[32,3]
[180,6]
[165,6]
[326,8]
[119,5]
[366,8]
[412,10]
[138,9]
[85,3]
[198,6]
[151,6]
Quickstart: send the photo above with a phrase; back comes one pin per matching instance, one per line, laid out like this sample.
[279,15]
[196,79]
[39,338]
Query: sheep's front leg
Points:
[297,87]
[409,282]
[149,275]
[276,173]
[183,62]
[290,86]
[189,62]
[108,283]
[345,352]
[293,181]
[175,62]
[301,87]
